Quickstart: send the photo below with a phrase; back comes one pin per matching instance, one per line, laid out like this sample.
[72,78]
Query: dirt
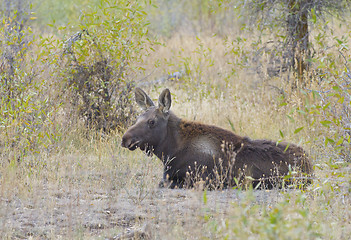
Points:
[116,214]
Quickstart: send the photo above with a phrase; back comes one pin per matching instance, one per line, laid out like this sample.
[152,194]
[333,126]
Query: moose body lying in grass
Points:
[194,153]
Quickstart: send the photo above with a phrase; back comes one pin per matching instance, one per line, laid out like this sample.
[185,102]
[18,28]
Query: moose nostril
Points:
[127,142]
[124,142]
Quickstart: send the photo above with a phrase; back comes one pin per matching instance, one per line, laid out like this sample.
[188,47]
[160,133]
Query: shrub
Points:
[101,61]
[25,110]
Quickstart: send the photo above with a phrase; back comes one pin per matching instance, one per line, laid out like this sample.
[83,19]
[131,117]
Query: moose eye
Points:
[151,123]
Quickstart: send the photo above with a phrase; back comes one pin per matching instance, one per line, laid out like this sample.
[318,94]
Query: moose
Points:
[194,153]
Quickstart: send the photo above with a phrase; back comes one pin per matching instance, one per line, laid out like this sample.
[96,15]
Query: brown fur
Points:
[193,152]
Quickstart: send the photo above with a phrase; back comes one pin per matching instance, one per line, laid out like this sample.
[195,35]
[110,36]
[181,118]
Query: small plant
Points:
[25,111]
[101,60]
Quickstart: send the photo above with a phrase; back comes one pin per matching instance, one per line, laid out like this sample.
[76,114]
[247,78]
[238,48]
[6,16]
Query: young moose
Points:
[197,153]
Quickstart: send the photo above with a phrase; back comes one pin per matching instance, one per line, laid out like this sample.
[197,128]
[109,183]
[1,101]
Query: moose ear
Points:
[143,99]
[164,101]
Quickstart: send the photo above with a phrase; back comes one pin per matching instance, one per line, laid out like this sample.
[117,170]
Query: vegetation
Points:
[99,61]
[293,20]
[67,71]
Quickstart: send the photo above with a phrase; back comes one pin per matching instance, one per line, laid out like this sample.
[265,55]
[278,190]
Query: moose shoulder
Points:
[193,152]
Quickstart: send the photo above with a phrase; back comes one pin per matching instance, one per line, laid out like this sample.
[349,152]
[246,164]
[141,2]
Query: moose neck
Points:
[169,145]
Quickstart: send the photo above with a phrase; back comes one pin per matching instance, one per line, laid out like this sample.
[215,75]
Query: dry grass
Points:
[91,188]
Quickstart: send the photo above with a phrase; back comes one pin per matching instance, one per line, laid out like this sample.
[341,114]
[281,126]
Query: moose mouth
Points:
[133,146]
[138,144]
[143,147]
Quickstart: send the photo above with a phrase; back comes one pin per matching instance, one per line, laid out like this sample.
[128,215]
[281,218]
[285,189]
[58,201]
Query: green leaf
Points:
[290,118]
[298,130]
[313,15]
[326,123]
[339,41]
[341,100]
[281,133]
[301,112]
[231,124]
[329,140]
[249,178]
[336,88]
[326,106]
[340,141]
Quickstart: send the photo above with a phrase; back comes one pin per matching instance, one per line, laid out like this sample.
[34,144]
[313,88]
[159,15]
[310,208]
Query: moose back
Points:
[194,153]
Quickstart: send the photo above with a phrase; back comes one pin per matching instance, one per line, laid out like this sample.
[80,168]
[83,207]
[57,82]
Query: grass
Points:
[91,188]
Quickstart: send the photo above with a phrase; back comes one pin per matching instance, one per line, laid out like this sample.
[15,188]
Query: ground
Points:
[95,213]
